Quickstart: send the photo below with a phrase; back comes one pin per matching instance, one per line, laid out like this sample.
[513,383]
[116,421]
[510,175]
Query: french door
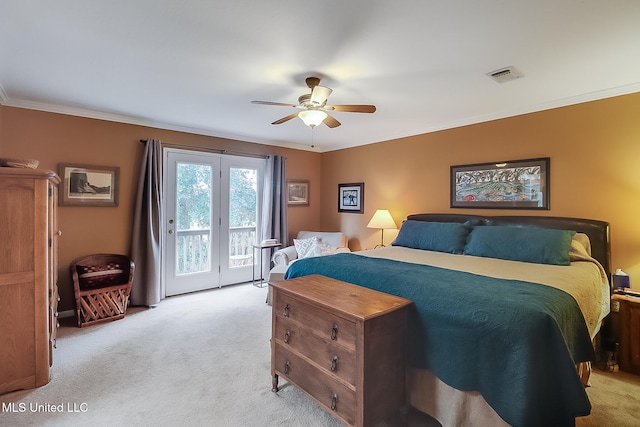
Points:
[212,213]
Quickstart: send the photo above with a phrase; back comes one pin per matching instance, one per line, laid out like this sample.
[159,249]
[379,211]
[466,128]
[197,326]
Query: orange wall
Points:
[594,149]
[56,138]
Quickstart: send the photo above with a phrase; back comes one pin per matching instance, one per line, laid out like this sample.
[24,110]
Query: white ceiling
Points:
[195,66]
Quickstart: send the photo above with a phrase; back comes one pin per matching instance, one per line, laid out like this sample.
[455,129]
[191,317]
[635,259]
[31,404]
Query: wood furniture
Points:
[625,317]
[101,286]
[28,277]
[342,344]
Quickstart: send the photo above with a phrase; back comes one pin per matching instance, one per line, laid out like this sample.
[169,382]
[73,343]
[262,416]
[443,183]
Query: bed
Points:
[506,309]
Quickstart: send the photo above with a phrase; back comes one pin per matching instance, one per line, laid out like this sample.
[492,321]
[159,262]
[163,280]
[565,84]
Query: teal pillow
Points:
[447,237]
[528,244]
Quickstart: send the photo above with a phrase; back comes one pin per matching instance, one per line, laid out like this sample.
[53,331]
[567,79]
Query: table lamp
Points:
[382,219]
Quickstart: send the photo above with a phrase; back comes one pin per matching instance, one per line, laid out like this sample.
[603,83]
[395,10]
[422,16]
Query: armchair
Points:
[306,244]
[325,243]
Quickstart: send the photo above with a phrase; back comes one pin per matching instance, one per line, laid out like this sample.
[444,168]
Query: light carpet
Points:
[203,359]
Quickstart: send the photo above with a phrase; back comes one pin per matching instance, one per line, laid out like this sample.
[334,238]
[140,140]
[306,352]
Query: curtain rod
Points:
[213,150]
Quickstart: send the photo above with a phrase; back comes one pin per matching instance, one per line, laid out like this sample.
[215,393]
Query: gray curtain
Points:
[274,207]
[145,242]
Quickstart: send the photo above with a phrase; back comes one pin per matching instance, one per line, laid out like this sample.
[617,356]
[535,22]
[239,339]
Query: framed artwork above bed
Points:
[512,184]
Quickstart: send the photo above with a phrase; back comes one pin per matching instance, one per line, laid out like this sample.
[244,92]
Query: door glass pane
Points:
[193,218]
[243,214]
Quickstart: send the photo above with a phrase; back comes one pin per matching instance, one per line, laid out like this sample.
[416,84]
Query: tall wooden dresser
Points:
[28,276]
[342,344]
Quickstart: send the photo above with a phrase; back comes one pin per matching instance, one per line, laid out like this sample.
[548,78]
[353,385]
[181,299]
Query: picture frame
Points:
[351,197]
[88,185]
[298,192]
[511,184]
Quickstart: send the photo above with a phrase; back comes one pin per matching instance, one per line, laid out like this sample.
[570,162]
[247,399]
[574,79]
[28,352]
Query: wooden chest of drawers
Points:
[342,344]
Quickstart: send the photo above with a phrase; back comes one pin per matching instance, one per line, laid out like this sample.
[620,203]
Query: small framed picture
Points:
[351,197]
[297,192]
[84,185]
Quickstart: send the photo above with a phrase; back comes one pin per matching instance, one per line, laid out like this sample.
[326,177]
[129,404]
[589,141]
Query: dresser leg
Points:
[274,383]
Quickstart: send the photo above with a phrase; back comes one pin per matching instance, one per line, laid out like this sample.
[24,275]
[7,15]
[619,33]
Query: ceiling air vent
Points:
[505,74]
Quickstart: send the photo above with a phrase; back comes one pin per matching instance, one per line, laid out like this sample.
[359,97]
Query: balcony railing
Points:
[241,241]
[194,249]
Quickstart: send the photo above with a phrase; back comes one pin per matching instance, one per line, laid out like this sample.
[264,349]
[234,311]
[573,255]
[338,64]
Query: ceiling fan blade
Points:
[320,94]
[352,108]
[331,122]
[280,104]
[285,119]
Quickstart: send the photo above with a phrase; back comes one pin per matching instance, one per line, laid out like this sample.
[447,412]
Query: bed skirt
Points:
[452,407]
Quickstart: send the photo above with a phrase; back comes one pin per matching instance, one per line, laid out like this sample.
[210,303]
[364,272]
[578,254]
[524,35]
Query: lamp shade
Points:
[312,118]
[382,219]
[320,94]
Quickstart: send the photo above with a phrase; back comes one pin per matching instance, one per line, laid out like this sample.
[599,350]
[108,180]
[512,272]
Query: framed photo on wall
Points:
[512,184]
[297,192]
[351,197]
[85,185]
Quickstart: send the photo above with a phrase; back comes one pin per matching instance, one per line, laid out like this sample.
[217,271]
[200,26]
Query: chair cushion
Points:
[100,276]
[335,239]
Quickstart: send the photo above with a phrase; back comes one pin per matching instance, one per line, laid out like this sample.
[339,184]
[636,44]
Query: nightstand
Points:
[625,318]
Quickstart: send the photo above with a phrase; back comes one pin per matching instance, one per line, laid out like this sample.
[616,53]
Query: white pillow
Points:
[305,247]
[320,249]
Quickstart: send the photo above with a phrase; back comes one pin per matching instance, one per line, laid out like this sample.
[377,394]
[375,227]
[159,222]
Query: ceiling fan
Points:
[314,106]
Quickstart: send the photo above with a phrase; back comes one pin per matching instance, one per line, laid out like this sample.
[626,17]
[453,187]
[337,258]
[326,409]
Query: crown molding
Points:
[559,103]
[127,119]
[133,120]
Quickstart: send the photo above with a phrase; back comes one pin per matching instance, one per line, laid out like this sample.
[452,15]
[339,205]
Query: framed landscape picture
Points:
[297,193]
[513,184]
[84,185]
[351,197]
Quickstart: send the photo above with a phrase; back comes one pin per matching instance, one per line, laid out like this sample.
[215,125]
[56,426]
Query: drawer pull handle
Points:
[286,310]
[334,402]
[287,335]
[287,365]
[334,332]
[334,364]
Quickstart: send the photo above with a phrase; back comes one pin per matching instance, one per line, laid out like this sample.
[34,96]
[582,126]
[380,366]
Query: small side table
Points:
[625,314]
[259,283]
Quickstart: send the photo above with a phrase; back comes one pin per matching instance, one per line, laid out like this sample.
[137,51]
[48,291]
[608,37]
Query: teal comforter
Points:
[515,342]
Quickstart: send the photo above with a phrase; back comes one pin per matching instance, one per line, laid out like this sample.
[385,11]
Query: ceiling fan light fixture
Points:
[320,94]
[312,118]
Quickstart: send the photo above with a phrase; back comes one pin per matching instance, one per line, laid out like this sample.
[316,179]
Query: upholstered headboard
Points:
[598,231]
